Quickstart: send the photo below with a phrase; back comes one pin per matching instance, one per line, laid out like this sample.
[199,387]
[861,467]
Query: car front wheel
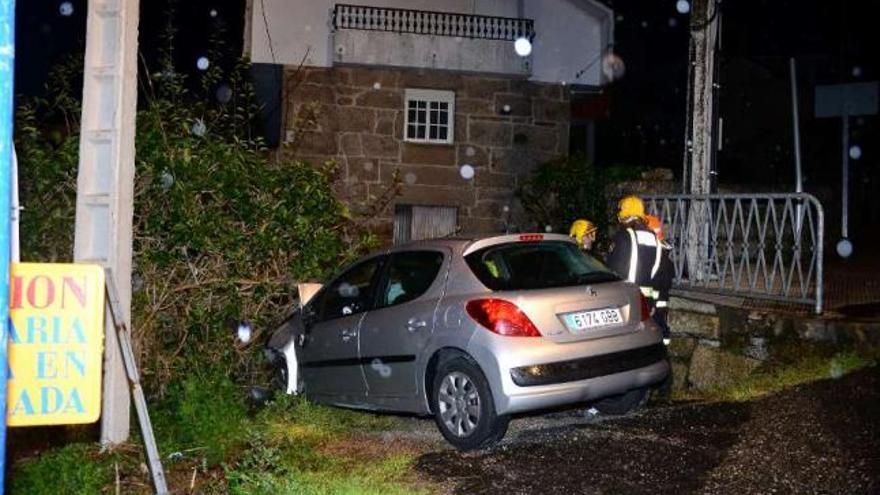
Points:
[463,407]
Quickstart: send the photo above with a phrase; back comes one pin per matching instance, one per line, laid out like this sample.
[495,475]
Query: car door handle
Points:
[348,334]
[415,323]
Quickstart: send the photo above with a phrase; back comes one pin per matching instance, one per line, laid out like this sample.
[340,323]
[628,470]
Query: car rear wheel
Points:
[625,403]
[463,407]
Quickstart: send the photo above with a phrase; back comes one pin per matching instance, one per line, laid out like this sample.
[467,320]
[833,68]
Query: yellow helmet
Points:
[630,207]
[580,228]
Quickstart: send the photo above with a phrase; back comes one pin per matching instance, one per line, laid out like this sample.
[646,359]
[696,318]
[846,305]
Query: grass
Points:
[780,376]
[290,446]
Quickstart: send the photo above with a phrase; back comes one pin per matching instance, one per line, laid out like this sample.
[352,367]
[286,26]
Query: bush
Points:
[561,191]
[223,228]
[203,413]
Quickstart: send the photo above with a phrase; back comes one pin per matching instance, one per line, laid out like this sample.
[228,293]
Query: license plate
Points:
[585,320]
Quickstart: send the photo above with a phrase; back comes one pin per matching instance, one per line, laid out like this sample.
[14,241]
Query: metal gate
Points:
[766,246]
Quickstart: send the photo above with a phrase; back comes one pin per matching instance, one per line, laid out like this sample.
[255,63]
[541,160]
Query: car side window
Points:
[350,293]
[410,274]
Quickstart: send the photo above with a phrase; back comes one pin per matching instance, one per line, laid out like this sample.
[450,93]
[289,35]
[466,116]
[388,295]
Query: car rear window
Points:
[536,265]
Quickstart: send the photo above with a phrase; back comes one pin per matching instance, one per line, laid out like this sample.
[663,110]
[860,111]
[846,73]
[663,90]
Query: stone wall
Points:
[355,117]
[715,344]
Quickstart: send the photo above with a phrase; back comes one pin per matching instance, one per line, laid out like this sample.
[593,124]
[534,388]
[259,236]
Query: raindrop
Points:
[505,208]
[348,290]
[644,24]
[308,28]
[166,180]
[459,39]
[377,85]
[470,151]
[857,71]
[683,6]
[66,9]
[137,283]
[244,332]
[673,22]
[619,18]
[855,152]
[548,228]
[223,93]
[199,128]
[662,142]
[368,166]
[523,47]
[466,171]
[613,67]
[506,108]
[202,63]
[213,13]
[563,83]
[410,178]
[844,248]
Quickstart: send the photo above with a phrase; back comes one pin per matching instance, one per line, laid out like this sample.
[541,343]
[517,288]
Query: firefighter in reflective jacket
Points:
[638,256]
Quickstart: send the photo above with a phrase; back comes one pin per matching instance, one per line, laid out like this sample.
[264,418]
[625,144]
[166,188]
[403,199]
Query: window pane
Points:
[421,132]
[444,106]
[422,105]
[433,132]
[410,275]
[443,134]
[434,117]
[411,131]
[422,118]
[435,105]
[536,265]
[411,115]
[444,118]
[411,104]
[349,294]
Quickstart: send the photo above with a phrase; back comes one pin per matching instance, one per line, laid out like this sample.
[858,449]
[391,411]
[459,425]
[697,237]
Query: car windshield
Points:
[536,265]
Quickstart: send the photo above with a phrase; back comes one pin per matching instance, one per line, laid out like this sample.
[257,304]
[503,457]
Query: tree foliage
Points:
[223,228]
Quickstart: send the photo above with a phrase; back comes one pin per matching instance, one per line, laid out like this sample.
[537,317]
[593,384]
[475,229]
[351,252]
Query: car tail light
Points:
[531,237]
[646,309]
[501,317]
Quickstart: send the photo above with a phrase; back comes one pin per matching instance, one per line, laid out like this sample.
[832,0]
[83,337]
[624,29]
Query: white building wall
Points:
[569,36]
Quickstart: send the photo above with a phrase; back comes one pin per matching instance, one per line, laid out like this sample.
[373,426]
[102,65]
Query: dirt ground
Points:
[822,437]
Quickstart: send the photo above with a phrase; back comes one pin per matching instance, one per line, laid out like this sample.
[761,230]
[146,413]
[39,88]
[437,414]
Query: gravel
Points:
[822,437]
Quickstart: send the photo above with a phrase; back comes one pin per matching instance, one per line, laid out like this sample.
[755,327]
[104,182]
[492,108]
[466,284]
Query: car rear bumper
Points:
[588,367]
[528,374]
[546,396]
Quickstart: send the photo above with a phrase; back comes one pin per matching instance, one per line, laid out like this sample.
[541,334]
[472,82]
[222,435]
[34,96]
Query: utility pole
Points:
[702,131]
[105,181]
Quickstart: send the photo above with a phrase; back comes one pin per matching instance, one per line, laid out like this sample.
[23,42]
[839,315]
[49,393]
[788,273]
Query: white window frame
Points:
[429,96]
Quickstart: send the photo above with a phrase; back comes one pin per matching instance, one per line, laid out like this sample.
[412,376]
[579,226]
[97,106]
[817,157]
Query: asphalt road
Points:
[823,437]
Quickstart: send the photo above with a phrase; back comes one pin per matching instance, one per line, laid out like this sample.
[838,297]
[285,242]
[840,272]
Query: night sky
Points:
[832,41]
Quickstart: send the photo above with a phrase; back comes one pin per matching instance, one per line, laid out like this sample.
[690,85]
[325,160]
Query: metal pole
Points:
[796,130]
[844,228]
[123,337]
[7,76]
[795,125]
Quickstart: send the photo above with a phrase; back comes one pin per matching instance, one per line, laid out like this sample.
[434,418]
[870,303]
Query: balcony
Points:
[382,36]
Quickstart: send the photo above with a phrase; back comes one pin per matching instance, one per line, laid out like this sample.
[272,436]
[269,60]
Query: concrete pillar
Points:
[105,182]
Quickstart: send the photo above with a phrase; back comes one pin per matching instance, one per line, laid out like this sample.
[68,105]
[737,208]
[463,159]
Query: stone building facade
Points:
[502,128]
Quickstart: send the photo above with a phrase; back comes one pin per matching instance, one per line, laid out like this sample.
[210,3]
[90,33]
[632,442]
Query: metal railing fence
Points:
[431,22]
[766,246]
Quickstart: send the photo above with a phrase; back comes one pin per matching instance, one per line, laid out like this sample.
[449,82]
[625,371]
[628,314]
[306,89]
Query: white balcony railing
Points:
[431,23]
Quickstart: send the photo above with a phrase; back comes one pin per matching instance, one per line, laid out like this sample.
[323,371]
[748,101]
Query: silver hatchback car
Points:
[472,331]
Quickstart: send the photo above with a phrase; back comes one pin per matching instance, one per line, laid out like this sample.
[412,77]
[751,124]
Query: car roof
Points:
[467,244]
